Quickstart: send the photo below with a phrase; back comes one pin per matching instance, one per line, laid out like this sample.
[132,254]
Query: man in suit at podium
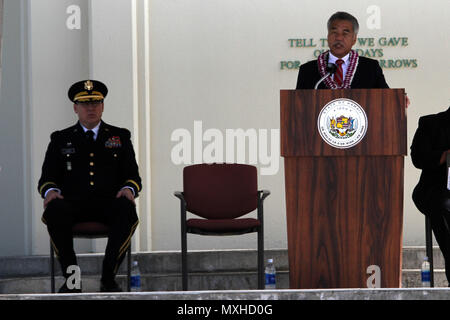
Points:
[429,150]
[90,174]
[352,71]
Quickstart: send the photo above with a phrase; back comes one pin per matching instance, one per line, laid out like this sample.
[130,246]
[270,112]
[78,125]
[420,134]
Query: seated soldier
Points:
[90,174]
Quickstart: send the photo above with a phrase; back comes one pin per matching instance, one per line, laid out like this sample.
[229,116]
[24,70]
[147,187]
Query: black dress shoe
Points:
[110,286]
[65,289]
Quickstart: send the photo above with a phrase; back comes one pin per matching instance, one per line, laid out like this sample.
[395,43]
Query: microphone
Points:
[331,69]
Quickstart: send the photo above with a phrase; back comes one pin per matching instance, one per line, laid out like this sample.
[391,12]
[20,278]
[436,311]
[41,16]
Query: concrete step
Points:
[199,261]
[197,282]
[412,257]
[208,270]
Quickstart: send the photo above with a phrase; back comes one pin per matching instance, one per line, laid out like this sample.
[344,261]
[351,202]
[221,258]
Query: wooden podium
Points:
[344,206]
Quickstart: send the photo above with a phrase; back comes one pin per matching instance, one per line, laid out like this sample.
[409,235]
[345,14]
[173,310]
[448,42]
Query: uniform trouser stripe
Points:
[125,246]
[54,247]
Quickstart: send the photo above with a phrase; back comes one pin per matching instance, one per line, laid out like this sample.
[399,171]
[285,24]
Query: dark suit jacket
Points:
[431,139]
[99,170]
[368,75]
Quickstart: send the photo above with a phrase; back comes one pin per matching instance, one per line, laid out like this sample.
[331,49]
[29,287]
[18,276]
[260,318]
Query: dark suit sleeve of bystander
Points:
[423,154]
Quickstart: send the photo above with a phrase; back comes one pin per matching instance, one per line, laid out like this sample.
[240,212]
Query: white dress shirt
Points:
[332,59]
[95,130]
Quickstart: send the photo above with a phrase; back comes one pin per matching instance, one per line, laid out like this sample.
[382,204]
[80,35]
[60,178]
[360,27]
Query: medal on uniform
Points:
[113,142]
[69,165]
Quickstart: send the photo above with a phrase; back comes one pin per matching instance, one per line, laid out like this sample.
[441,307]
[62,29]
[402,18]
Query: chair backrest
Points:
[220,191]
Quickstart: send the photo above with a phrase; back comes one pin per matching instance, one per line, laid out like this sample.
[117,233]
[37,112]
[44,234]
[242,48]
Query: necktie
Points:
[90,136]
[338,76]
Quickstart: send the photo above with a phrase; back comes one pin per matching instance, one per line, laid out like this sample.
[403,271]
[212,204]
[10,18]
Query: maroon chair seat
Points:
[220,194]
[222,226]
[90,230]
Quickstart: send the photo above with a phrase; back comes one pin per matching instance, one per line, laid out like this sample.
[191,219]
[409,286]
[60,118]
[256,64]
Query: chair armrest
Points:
[180,196]
[262,194]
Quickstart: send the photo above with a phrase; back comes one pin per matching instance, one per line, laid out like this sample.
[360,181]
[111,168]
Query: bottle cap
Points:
[270,260]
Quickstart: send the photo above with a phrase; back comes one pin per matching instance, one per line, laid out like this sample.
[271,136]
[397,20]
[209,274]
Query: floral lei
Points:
[329,82]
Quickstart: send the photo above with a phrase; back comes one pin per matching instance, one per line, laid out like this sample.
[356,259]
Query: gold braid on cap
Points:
[84,96]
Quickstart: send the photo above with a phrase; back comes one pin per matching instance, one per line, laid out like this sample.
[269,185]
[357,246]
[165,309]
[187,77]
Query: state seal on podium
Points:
[342,123]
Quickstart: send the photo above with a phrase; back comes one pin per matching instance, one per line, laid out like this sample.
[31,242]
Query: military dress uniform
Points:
[89,174]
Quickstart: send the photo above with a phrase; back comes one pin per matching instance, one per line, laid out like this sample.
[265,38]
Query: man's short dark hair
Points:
[340,15]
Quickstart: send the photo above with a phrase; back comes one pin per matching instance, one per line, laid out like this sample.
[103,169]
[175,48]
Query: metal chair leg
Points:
[260,212]
[184,273]
[129,268]
[429,247]
[52,268]
[261,258]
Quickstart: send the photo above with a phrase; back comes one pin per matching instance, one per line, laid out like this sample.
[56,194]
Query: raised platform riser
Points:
[209,270]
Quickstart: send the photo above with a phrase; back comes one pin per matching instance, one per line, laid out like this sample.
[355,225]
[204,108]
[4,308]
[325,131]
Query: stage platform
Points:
[219,274]
[261,295]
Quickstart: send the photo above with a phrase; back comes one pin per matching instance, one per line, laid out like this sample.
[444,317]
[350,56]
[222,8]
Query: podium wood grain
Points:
[344,206]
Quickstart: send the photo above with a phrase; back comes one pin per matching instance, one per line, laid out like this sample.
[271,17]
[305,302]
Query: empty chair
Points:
[220,194]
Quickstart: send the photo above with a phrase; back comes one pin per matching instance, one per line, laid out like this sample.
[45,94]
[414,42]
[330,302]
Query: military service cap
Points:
[87,91]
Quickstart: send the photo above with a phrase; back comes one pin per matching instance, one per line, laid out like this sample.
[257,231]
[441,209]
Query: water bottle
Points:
[270,275]
[425,272]
[135,281]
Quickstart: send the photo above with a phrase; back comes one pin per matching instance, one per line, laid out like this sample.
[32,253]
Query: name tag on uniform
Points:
[67,151]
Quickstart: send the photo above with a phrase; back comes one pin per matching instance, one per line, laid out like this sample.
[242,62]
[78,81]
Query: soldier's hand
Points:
[127,193]
[52,195]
